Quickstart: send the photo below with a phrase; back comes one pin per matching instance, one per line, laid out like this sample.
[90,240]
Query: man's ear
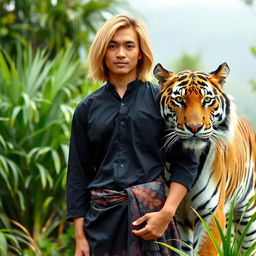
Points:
[221,73]
[161,74]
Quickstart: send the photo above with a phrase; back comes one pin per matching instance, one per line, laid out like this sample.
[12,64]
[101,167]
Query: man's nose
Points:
[121,52]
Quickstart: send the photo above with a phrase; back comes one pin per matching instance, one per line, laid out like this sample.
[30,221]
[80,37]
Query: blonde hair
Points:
[97,70]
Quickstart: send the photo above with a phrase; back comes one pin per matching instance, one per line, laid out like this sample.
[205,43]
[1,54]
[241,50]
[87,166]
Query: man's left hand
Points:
[156,225]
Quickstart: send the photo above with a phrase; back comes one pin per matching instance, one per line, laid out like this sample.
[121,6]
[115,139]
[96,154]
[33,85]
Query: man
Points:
[115,147]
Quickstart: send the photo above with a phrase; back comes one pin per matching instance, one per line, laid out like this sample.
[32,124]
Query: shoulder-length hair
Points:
[96,66]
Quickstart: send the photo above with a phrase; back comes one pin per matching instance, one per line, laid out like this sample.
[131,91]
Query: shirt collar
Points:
[132,85]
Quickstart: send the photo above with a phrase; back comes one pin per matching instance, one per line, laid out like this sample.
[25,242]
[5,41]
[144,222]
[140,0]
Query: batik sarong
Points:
[108,224]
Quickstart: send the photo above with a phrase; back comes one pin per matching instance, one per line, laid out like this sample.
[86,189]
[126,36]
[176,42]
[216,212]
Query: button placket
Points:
[122,133]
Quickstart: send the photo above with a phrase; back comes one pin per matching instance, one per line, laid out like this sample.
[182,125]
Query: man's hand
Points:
[82,247]
[156,225]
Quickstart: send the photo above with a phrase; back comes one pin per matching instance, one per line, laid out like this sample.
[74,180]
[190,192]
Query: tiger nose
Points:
[194,127]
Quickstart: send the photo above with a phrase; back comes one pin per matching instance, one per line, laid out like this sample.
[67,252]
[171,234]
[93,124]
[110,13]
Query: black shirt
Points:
[116,142]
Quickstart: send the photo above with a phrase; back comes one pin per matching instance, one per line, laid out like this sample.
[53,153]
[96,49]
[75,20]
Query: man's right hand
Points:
[82,247]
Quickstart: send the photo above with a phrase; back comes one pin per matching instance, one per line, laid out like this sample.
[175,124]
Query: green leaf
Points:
[42,151]
[46,203]
[15,173]
[3,245]
[43,175]
[253,50]
[2,141]
[15,113]
[21,200]
[65,150]
[173,249]
[250,250]
[213,239]
[56,160]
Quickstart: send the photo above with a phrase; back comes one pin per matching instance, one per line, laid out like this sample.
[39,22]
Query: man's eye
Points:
[112,46]
[130,46]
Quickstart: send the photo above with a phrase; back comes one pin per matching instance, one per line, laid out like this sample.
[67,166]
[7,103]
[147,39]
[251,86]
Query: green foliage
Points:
[40,84]
[52,24]
[232,241]
[186,61]
[253,81]
[253,50]
[249,2]
[37,98]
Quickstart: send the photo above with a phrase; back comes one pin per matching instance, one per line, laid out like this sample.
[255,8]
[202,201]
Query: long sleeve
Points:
[183,165]
[77,195]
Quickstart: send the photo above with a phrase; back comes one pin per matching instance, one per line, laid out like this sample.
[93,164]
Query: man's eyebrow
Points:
[126,42]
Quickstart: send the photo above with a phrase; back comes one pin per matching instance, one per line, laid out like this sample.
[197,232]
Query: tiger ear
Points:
[221,73]
[161,74]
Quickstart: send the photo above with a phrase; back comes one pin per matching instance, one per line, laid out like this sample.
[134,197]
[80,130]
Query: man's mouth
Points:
[120,64]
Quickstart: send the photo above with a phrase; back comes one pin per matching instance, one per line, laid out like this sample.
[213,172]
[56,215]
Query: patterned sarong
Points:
[140,199]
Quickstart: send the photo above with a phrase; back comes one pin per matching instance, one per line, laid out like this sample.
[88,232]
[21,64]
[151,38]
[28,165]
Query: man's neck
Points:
[121,83]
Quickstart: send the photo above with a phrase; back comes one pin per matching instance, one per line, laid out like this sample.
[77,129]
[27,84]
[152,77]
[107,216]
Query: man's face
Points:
[122,54]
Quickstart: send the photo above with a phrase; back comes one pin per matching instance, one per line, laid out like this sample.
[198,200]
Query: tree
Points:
[52,24]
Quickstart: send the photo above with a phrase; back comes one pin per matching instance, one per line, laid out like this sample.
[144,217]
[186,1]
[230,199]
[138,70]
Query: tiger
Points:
[198,113]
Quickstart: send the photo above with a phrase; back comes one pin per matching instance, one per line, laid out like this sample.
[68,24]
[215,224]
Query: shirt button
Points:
[122,165]
[122,104]
[122,122]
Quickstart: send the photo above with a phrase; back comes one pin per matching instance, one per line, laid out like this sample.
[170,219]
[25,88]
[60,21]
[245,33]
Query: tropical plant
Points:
[232,240]
[52,24]
[37,98]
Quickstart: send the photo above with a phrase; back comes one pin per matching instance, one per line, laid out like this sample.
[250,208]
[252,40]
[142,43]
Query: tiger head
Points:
[195,108]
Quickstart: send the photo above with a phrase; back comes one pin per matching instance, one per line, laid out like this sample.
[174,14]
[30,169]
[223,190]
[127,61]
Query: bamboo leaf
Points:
[65,150]
[15,173]
[2,141]
[11,238]
[67,111]
[46,203]
[43,175]
[56,160]
[42,151]
[15,113]
[28,180]
[21,200]
[4,69]
[3,245]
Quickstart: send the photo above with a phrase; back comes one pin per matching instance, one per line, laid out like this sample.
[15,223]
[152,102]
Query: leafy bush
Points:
[37,98]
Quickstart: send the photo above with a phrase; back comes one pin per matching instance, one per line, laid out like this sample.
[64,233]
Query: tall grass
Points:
[232,241]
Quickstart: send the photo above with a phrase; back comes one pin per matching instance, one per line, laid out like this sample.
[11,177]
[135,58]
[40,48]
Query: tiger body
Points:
[199,113]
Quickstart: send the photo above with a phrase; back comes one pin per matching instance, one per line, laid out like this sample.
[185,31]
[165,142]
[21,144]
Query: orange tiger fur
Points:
[198,112]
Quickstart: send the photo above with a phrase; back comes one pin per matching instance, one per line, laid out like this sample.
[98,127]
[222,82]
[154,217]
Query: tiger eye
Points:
[179,99]
[207,99]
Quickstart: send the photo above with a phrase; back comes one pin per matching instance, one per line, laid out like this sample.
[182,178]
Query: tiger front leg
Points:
[241,225]
[186,236]
[207,247]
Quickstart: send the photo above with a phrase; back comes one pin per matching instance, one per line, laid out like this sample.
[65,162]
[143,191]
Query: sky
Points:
[220,30]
